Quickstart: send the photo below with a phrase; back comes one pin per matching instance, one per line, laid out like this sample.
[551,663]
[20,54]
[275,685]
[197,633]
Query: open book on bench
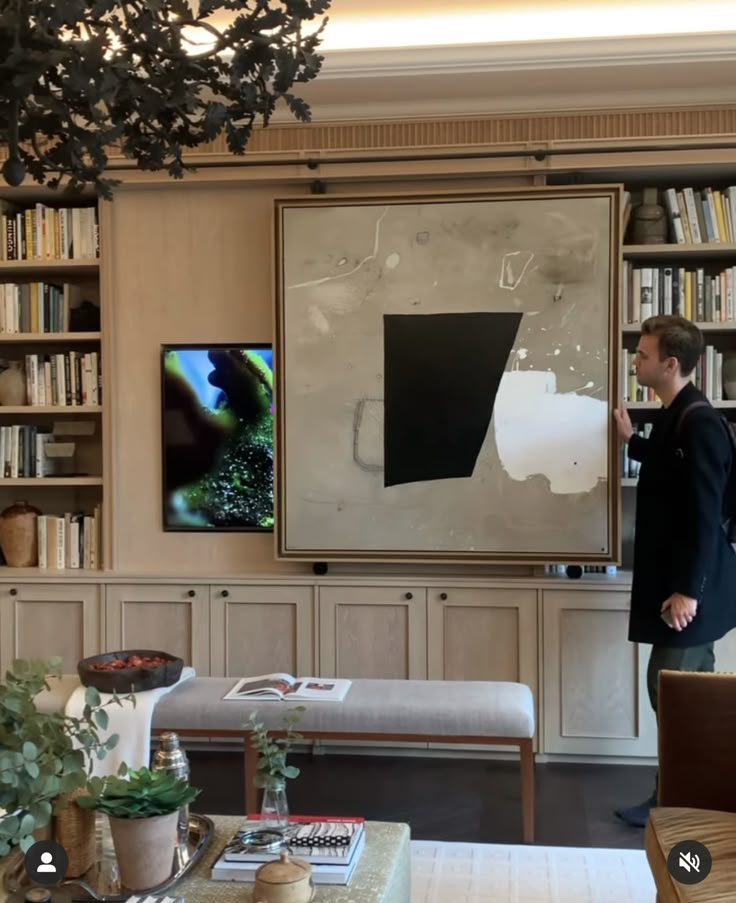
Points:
[286,687]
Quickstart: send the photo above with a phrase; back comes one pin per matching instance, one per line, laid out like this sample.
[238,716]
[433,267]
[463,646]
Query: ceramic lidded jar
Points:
[285,880]
[19,535]
[13,384]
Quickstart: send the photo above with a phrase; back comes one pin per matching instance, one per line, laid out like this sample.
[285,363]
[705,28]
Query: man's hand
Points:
[623,424]
[682,610]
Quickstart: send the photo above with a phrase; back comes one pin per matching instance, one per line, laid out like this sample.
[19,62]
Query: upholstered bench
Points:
[459,712]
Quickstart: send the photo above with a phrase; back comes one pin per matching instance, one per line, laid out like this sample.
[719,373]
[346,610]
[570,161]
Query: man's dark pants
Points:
[668,658]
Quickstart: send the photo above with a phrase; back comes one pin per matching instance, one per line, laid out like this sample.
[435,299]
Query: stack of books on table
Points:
[331,845]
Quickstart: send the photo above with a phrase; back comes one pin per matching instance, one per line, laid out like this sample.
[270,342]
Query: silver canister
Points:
[171,758]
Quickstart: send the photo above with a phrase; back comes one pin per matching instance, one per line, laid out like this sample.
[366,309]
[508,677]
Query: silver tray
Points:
[102,881]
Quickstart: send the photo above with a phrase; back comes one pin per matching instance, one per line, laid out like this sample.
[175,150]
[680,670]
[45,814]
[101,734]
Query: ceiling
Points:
[605,68]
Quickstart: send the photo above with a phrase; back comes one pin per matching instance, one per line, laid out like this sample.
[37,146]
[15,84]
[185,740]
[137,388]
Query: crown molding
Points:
[531,104]
[598,52]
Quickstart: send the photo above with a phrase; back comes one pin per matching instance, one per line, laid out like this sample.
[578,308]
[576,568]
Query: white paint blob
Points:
[392,261]
[560,436]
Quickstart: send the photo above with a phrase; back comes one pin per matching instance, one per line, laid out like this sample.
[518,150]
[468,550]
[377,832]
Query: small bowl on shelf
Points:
[132,669]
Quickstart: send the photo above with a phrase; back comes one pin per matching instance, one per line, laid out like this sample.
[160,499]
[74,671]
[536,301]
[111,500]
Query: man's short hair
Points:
[677,337]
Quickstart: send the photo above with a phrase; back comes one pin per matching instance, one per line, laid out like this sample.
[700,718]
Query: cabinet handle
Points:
[13,592]
[192,593]
[443,596]
[225,593]
[409,596]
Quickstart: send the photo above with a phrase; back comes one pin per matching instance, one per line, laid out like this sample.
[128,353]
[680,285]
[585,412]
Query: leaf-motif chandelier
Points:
[152,77]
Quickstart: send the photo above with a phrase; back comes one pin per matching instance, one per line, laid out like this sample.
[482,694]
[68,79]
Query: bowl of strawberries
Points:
[132,669]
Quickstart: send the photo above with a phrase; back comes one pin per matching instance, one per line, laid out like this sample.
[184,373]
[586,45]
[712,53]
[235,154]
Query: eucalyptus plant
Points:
[153,77]
[272,770]
[43,756]
[138,793]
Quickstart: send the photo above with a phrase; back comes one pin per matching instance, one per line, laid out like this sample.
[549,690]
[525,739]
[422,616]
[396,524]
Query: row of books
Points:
[37,306]
[630,467]
[72,540]
[331,845]
[699,216]
[707,376]
[27,451]
[49,233]
[700,296]
[63,379]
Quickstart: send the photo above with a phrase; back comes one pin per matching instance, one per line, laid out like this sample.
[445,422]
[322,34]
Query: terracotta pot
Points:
[144,849]
[19,535]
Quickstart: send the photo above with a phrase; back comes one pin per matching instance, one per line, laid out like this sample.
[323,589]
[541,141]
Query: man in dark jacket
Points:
[683,594]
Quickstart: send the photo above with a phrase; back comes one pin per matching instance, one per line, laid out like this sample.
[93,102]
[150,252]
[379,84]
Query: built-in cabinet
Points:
[38,620]
[595,695]
[370,631]
[170,617]
[261,629]
[566,639]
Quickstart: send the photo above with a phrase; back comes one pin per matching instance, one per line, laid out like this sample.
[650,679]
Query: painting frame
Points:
[610,253]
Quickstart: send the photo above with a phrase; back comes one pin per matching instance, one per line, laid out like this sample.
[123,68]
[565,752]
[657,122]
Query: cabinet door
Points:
[260,629]
[40,620]
[171,618]
[370,631]
[482,634]
[595,694]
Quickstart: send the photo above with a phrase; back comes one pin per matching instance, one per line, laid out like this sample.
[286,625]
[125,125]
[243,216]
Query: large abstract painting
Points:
[446,373]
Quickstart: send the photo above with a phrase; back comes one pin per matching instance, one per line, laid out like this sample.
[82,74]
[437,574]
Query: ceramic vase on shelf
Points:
[729,375]
[13,385]
[274,807]
[19,535]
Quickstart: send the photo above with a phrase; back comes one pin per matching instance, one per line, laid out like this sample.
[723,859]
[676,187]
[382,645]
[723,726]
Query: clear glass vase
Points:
[274,808]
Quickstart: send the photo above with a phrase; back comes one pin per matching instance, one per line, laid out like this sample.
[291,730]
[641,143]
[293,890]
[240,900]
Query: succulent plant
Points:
[138,793]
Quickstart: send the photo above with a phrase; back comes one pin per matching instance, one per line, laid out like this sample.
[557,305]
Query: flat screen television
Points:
[217,437]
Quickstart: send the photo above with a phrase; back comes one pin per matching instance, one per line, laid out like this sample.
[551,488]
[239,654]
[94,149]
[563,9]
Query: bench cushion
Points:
[422,707]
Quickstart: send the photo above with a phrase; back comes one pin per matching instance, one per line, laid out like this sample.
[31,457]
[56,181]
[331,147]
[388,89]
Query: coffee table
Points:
[383,874]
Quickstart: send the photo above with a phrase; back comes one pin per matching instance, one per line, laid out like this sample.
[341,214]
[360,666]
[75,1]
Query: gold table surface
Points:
[381,876]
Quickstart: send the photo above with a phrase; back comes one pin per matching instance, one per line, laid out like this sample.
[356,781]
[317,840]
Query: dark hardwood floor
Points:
[446,799]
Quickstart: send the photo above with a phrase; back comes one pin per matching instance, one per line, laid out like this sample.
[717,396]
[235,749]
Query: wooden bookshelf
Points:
[720,326]
[654,405]
[51,481]
[50,337]
[712,249]
[87,266]
[55,410]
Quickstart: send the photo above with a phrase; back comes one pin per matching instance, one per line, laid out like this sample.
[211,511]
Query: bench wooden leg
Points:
[250,762]
[526,753]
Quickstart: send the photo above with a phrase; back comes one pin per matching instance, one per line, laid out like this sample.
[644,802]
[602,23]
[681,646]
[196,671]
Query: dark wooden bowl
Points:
[124,680]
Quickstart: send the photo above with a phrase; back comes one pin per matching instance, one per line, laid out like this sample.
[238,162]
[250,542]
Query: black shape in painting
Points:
[441,373]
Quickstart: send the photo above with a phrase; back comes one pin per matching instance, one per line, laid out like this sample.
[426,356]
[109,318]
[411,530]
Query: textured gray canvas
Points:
[540,482]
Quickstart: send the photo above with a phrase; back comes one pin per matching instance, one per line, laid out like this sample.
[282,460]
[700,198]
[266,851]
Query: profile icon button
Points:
[46,862]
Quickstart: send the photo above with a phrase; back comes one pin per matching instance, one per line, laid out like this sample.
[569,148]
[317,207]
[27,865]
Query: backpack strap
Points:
[685,411]
[729,495]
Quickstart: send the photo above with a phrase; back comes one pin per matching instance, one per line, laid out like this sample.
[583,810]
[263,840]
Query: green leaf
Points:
[92,697]
[27,842]
[32,769]
[30,750]
[102,719]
